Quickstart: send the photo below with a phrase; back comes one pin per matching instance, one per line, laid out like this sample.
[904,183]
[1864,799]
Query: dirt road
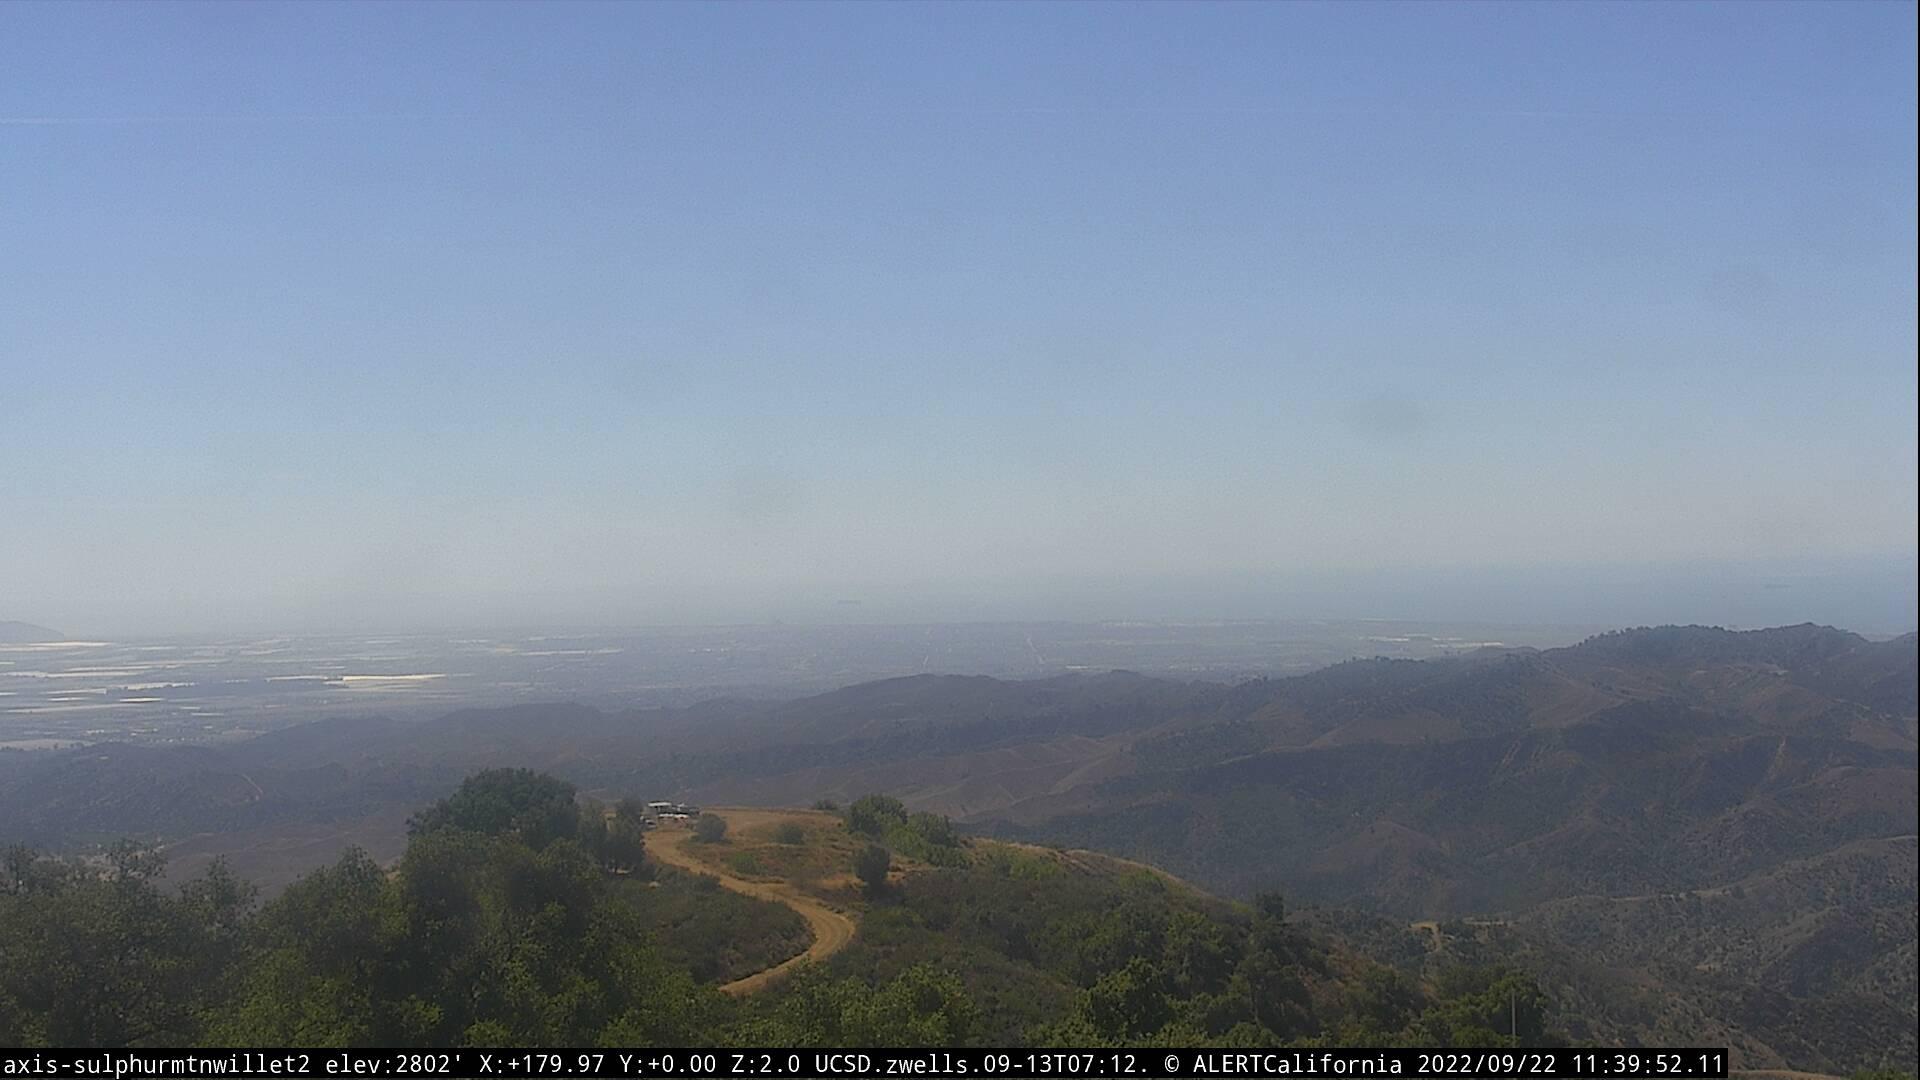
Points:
[832,930]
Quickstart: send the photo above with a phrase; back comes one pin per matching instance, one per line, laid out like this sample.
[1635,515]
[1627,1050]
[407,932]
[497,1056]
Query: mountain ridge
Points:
[25,633]
[1648,762]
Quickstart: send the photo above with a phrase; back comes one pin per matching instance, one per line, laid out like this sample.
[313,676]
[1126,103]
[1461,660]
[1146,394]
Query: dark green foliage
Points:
[1379,1003]
[790,833]
[474,940]
[99,955]
[710,829]
[1128,1003]
[617,841]
[1684,831]
[631,810]
[827,805]
[1013,996]
[933,829]
[715,934]
[870,865]
[922,1006]
[929,838]
[625,847]
[1485,1006]
[501,926]
[873,815]
[1197,954]
[533,807]
[315,963]
[1104,954]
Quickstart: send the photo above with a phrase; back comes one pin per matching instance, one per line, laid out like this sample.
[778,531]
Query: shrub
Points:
[710,829]
[873,815]
[870,865]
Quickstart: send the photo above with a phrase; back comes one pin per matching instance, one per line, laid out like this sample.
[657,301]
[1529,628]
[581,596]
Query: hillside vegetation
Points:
[515,919]
[1725,817]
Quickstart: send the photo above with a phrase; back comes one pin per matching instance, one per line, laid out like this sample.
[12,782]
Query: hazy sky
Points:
[335,314]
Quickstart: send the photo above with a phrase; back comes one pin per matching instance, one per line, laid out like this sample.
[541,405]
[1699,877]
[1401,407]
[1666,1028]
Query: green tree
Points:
[1271,905]
[625,848]
[318,973]
[590,832]
[710,829]
[1096,944]
[499,942]
[921,1006]
[100,956]
[631,810]
[871,865]
[1128,1003]
[1271,982]
[1197,957]
[935,829]
[533,807]
[873,815]
[474,938]
[1486,1006]
[1378,1004]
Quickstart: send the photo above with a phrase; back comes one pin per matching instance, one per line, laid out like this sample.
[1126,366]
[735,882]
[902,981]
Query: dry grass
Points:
[813,877]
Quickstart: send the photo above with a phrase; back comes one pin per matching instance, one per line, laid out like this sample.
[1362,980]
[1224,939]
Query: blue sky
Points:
[335,314]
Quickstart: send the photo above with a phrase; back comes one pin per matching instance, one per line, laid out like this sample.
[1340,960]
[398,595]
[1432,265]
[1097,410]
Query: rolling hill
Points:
[1551,799]
[22,633]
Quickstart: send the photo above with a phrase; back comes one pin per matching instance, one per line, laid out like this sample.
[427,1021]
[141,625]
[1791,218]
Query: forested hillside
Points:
[1705,835]
[520,916]
[1728,816]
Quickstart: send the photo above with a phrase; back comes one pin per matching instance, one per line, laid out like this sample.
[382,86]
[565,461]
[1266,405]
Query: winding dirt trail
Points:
[832,930]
